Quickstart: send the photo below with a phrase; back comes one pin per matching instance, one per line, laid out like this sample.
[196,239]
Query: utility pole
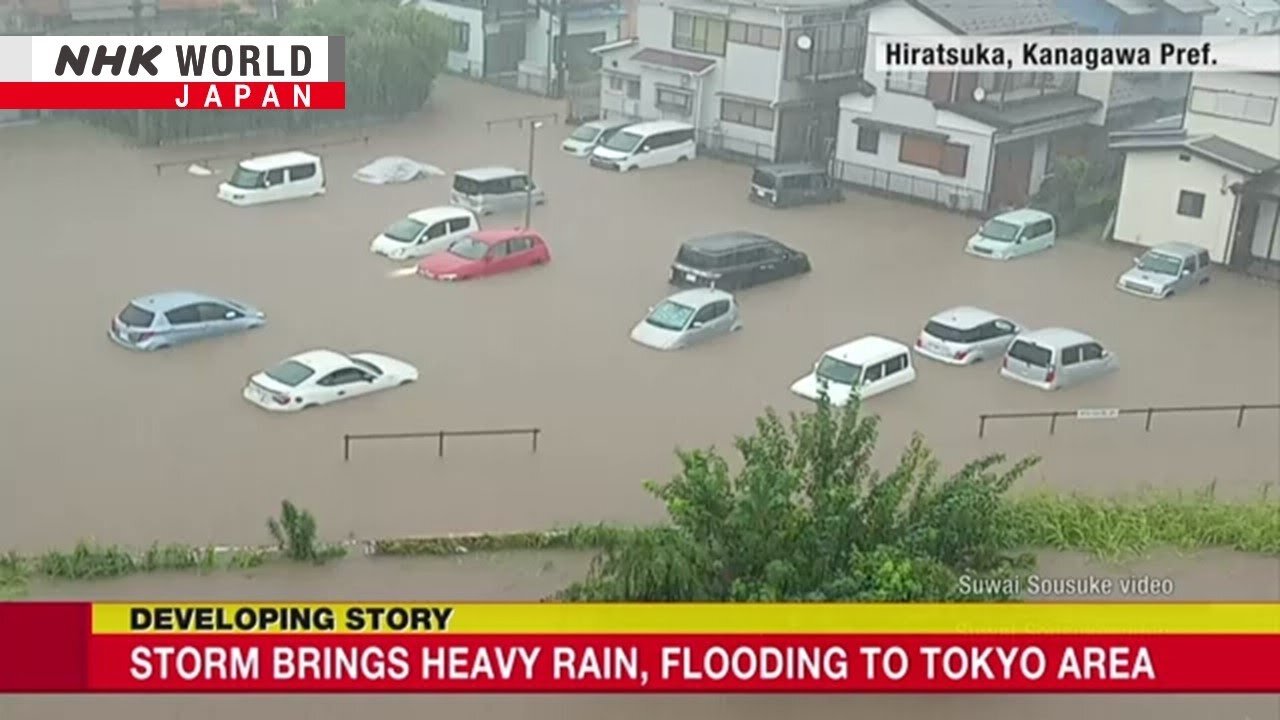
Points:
[535,122]
[562,57]
[144,135]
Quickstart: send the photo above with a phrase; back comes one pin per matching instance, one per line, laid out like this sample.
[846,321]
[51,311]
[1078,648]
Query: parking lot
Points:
[128,447]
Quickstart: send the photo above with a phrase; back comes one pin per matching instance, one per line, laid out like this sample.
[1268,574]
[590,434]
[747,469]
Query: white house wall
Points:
[470,62]
[536,43]
[1148,203]
[1262,138]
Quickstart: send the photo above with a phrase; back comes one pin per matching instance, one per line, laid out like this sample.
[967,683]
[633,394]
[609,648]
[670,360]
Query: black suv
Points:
[735,260]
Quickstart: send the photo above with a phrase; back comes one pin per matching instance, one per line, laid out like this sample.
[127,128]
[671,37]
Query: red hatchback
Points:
[486,252]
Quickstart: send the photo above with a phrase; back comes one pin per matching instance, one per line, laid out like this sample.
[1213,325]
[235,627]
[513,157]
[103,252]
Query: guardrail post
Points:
[1150,412]
[535,439]
[1053,422]
[346,447]
[1240,417]
[982,425]
[440,444]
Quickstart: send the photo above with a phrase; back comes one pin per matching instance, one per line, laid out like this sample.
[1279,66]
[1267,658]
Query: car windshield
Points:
[999,230]
[950,334]
[586,133]
[670,316]
[246,178]
[694,259]
[366,366]
[405,230]
[1030,353]
[837,371]
[469,248]
[134,316]
[290,372]
[762,179]
[1154,262]
[467,185]
[623,142]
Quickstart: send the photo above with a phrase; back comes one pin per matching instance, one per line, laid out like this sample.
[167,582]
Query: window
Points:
[518,183]
[302,172]
[874,373]
[1037,229]
[868,139]
[758,35]
[459,36]
[275,177]
[184,315]
[1237,106]
[911,82]
[947,158]
[1191,204]
[345,376]
[211,312]
[622,83]
[1030,353]
[894,365]
[749,114]
[437,230]
[699,33]
[837,47]
[1204,259]
[519,245]
[721,307]
[499,251]
[1092,351]
[459,224]
[1071,356]
[290,372]
[708,313]
[674,99]
[134,316]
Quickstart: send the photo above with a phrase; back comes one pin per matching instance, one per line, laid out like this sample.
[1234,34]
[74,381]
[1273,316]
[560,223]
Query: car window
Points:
[345,376]
[706,314]
[722,307]
[518,183]
[1189,264]
[1031,353]
[875,372]
[763,179]
[1001,327]
[276,176]
[212,311]
[751,256]
[499,250]
[1071,355]
[437,230]
[519,245]
[1204,259]
[290,372]
[134,316]
[694,259]
[459,224]
[894,365]
[184,315]
[302,172]
[369,367]
[1091,351]
[467,185]
[947,333]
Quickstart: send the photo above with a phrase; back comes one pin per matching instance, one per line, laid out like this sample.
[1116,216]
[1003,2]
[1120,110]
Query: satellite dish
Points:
[804,42]
[979,94]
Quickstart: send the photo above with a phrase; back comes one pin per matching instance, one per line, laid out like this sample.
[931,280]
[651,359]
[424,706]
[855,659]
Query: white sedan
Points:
[319,377]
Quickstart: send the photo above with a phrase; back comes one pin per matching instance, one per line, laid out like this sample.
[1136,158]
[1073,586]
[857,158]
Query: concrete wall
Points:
[1148,206]
[472,61]
[1262,138]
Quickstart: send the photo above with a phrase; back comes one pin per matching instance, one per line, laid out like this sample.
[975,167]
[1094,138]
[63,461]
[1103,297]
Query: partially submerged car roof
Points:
[1178,249]
[964,317]
[697,297]
[1055,337]
[781,169]
[485,174]
[726,242]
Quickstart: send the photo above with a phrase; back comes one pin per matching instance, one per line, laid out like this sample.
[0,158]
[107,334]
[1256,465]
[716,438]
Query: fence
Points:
[715,143]
[440,436]
[1113,413]
[207,159]
[948,195]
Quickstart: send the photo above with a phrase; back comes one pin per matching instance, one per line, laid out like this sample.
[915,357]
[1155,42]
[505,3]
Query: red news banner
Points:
[172,73]
[373,647]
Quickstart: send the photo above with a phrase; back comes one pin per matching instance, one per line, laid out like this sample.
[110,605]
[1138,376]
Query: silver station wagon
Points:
[1165,270]
[965,335]
[1055,358]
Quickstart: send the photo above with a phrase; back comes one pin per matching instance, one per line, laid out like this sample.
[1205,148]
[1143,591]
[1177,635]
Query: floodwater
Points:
[530,576]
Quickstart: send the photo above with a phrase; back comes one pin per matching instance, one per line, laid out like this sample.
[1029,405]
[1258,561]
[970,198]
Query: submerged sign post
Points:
[172,73]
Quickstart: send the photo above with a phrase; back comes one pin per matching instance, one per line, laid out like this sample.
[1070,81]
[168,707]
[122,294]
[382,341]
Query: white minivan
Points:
[645,145]
[863,368]
[424,232]
[490,190]
[272,178]
[1013,234]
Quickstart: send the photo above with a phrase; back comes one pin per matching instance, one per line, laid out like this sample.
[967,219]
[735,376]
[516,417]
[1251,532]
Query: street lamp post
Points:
[528,190]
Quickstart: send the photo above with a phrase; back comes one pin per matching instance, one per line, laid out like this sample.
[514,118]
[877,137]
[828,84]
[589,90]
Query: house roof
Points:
[1027,112]
[691,64]
[993,17]
[1133,7]
[1192,7]
[1233,153]
[1209,147]
[1265,184]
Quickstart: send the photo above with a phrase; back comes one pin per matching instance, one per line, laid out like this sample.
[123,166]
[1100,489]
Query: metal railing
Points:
[439,436]
[935,192]
[1114,413]
[718,143]
[207,159]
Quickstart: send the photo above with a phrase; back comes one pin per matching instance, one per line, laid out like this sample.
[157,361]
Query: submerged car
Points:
[1013,234]
[1165,270]
[863,368]
[154,322]
[424,232]
[785,185]
[1053,358]
[590,135]
[487,252]
[965,335]
[320,377]
[688,317]
[735,260]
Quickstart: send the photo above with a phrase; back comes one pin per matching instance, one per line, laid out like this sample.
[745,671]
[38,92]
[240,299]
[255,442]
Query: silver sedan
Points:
[965,335]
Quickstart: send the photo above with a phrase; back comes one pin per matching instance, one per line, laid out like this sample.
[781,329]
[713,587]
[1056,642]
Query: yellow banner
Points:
[551,618]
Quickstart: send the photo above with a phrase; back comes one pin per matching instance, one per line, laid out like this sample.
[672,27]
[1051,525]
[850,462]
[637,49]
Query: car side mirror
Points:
[1186,272]
[696,324]
[1137,261]
[231,315]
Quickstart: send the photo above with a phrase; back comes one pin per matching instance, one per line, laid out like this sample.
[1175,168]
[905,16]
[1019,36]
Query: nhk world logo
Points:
[168,73]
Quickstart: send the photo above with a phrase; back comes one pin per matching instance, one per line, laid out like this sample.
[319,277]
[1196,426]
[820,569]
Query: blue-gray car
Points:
[154,322]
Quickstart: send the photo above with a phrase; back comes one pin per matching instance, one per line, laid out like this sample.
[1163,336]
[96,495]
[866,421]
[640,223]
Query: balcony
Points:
[500,11]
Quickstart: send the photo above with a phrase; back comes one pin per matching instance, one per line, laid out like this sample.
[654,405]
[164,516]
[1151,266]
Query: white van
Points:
[646,145]
[864,367]
[1013,234]
[272,178]
[424,232]
[489,190]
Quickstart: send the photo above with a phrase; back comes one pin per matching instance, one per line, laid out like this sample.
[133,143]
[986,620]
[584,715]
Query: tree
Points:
[807,518]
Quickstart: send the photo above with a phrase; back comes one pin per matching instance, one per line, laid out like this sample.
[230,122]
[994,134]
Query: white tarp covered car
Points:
[393,170]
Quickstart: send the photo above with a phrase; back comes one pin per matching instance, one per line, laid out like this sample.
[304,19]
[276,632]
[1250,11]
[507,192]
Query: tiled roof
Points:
[1133,7]
[1028,112]
[1192,7]
[994,17]
[674,60]
[1234,154]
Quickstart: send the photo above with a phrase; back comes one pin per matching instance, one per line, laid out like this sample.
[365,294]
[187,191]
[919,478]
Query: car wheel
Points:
[1171,294]
[308,406]
[682,158]
[406,381]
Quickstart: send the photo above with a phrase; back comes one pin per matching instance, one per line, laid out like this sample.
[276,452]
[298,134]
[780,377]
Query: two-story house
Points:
[1244,17]
[970,141]
[759,79]
[1212,177]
